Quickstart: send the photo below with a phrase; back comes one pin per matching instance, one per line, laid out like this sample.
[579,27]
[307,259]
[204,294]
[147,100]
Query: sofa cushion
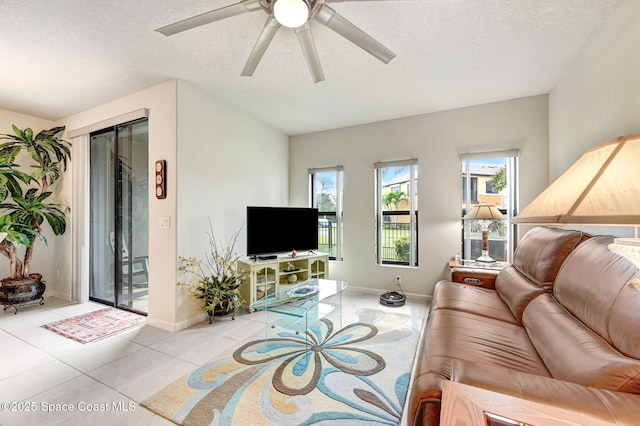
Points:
[453,337]
[470,298]
[516,290]
[573,352]
[465,336]
[593,286]
[624,322]
[542,250]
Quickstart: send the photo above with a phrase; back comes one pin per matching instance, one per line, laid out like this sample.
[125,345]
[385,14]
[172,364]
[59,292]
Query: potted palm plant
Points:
[216,278]
[25,206]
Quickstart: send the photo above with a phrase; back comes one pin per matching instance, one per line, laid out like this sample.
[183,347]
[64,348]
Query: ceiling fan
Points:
[294,14]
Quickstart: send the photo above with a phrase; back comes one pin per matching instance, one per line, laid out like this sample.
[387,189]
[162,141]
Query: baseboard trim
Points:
[175,327]
[413,296]
[179,326]
[58,295]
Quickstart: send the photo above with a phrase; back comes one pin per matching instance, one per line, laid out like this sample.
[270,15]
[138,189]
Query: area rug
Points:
[96,325]
[358,374]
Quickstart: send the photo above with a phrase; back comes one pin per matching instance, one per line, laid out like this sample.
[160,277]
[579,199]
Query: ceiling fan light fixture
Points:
[291,13]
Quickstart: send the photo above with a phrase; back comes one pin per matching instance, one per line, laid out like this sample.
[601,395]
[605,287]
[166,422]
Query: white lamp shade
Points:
[291,13]
[484,212]
[602,187]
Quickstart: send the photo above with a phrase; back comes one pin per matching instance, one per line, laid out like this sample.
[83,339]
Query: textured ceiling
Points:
[65,56]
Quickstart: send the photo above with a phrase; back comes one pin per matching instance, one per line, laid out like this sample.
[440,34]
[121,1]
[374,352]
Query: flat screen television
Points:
[272,230]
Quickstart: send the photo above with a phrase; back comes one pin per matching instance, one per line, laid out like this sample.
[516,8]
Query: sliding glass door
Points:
[119,264]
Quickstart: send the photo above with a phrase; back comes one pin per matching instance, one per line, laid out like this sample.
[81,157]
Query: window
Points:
[326,196]
[496,172]
[490,187]
[473,183]
[397,213]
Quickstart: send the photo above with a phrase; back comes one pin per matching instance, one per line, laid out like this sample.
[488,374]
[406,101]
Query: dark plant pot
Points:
[223,310]
[19,291]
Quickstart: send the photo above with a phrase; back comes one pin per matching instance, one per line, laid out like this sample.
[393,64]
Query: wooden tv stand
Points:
[271,275]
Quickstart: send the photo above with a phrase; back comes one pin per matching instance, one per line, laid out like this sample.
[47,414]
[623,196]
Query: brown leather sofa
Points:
[561,327]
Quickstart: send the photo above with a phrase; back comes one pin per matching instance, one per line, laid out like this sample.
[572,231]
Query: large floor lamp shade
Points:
[485,213]
[601,188]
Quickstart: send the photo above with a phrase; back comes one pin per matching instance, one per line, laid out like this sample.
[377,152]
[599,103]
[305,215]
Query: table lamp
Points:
[485,213]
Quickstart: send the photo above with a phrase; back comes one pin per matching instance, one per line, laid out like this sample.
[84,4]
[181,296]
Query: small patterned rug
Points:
[96,325]
[358,374]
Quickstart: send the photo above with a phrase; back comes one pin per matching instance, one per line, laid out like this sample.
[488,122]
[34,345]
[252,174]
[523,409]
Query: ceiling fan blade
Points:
[346,29]
[310,53]
[269,31]
[212,16]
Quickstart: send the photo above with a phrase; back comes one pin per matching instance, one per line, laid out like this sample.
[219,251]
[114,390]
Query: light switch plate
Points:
[165,223]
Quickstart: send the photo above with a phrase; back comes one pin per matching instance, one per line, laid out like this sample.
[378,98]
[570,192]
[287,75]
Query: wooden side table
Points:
[475,273]
[468,405]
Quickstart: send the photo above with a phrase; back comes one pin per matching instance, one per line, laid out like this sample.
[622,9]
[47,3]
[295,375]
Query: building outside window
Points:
[326,196]
[496,173]
[397,213]
[473,184]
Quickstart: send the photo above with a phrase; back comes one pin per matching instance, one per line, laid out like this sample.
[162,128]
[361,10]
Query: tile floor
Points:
[54,380]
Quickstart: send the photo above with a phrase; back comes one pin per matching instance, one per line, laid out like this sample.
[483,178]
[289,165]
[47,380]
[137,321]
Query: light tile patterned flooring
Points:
[46,379]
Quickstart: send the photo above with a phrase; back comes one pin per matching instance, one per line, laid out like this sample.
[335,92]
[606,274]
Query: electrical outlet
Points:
[398,280]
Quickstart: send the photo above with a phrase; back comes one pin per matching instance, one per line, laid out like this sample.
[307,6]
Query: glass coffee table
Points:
[303,304]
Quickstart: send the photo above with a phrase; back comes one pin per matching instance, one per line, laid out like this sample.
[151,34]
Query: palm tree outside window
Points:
[397,213]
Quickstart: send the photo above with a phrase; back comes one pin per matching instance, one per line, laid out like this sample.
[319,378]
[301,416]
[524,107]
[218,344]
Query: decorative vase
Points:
[17,292]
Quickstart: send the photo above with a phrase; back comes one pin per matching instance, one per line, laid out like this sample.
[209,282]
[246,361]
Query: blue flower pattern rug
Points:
[358,374]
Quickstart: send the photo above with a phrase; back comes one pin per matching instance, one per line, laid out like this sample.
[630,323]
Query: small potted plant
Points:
[216,278]
[25,205]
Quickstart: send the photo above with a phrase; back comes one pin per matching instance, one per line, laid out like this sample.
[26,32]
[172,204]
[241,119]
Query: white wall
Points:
[226,161]
[599,96]
[436,140]
[218,160]
[161,102]
[45,258]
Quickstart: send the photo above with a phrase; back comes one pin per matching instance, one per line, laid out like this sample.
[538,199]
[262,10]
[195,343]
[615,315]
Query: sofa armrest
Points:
[619,408]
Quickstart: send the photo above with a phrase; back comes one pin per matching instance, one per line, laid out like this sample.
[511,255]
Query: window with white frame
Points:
[493,178]
[397,212]
[326,196]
